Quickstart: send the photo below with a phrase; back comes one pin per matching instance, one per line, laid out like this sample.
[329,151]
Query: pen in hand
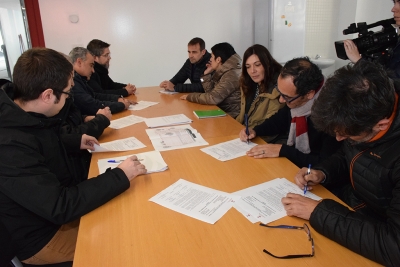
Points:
[308,172]
[246,122]
[119,161]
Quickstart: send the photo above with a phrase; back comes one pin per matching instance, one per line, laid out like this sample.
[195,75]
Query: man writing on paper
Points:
[359,105]
[88,101]
[192,69]
[41,199]
[298,84]
[100,81]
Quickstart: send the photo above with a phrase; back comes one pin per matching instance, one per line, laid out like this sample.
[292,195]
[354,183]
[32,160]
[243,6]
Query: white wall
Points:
[148,38]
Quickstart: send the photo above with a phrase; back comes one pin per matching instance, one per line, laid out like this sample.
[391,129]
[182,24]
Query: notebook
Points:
[202,114]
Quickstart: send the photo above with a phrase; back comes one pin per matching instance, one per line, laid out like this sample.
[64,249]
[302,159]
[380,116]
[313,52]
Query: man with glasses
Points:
[299,84]
[41,197]
[100,81]
[360,105]
[88,101]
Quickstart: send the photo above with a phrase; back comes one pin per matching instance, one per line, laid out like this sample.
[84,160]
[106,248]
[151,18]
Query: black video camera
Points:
[370,44]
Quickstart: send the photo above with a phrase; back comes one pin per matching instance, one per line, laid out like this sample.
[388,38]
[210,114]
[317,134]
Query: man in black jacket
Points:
[100,80]
[299,84]
[193,69]
[360,105]
[41,200]
[88,101]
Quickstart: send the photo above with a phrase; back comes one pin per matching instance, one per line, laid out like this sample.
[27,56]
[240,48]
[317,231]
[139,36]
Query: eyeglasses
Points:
[106,55]
[288,99]
[69,94]
[305,228]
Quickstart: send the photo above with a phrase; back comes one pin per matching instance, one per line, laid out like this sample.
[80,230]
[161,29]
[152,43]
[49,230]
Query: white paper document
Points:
[142,105]
[167,120]
[153,161]
[126,144]
[197,201]
[263,202]
[168,92]
[228,150]
[175,137]
[125,121]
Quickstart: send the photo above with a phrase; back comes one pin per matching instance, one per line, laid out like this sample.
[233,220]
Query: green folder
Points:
[202,114]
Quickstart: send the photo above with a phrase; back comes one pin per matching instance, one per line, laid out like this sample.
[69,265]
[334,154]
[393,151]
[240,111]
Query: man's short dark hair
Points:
[97,47]
[198,40]
[39,69]
[306,75]
[354,100]
[223,50]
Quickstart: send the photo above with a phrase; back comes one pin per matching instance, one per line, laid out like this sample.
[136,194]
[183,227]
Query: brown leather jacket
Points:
[222,87]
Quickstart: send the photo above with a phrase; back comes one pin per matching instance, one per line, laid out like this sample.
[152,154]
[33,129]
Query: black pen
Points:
[246,122]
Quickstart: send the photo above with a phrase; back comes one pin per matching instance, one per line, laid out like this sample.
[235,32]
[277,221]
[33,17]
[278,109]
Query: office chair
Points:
[16,263]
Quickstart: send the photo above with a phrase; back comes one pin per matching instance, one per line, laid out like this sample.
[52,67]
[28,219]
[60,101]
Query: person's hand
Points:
[302,178]
[351,51]
[106,112]
[88,118]
[126,102]
[132,167]
[243,136]
[209,69]
[163,84]
[87,142]
[169,86]
[299,206]
[265,151]
[130,88]
[184,97]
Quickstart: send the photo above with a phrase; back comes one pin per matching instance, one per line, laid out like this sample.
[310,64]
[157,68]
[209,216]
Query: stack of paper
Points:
[153,161]
[125,121]
[142,105]
[175,137]
[228,150]
[167,120]
[203,114]
[168,92]
[263,202]
[126,144]
[196,201]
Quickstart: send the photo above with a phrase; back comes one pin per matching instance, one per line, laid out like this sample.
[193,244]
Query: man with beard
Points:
[100,81]
[358,104]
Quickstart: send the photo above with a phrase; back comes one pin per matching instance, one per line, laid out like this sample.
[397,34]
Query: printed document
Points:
[125,121]
[167,120]
[263,202]
[175,137]
[197,201]
[142,105]
[126,144]
[228,150]
[153,161]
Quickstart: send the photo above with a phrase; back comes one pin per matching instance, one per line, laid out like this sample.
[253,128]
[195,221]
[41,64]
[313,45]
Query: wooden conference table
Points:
[132,231]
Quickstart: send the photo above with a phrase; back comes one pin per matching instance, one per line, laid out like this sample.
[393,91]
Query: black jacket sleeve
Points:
[182,76]
[89,105]
[189,88]
[95,84]
[95,127]
[276,124]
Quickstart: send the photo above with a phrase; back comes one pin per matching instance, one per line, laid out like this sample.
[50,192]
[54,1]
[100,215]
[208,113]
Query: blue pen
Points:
[246,122]
[308,172]
[119,161]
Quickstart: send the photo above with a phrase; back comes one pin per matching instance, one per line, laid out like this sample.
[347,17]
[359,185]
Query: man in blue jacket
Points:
[193,69]
[41,199]
[360,105]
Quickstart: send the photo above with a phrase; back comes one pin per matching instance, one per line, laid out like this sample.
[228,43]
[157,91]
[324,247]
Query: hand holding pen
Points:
[246,122]
[308,173]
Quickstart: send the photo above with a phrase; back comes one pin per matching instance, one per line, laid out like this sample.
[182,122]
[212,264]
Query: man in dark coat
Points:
[41,199]
[360,105]
[88,101]
[193,69]
[100,81]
